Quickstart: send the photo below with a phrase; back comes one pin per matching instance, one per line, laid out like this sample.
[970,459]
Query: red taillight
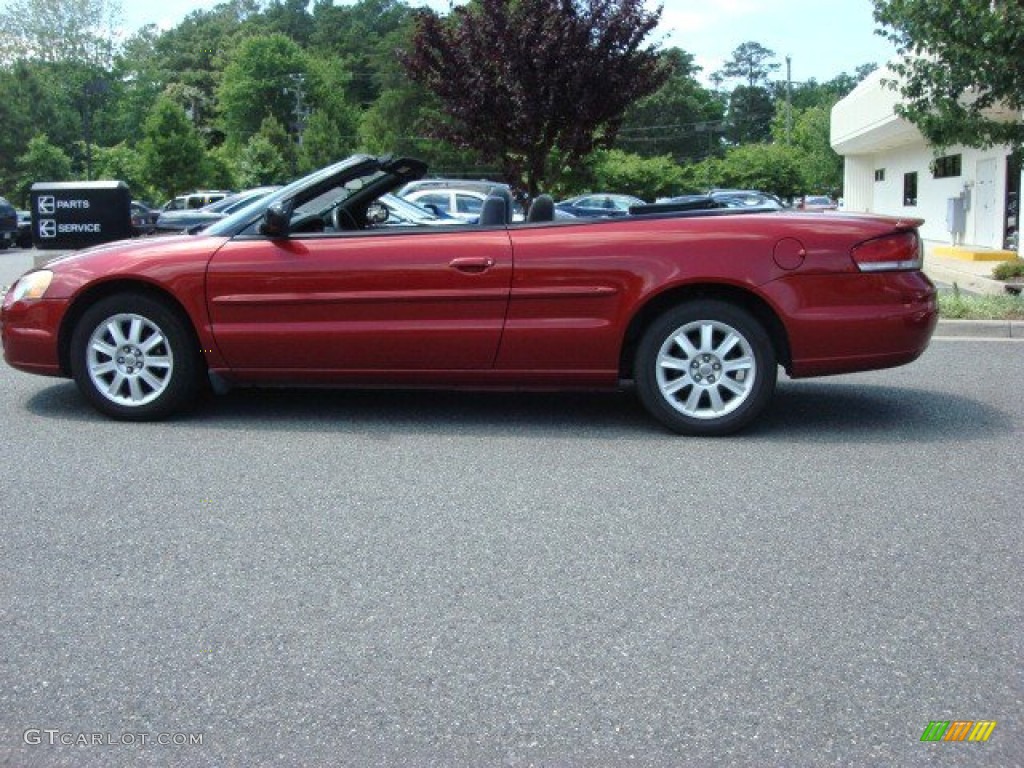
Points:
[892,252]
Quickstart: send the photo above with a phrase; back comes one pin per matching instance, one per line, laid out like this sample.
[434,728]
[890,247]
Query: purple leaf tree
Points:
[536,85]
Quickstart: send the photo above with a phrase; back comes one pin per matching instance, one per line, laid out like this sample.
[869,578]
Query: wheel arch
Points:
[740,297]
[100,291]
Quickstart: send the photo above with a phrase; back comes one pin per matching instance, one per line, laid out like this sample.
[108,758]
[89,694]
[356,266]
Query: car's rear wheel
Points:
[706,367]
[133,358]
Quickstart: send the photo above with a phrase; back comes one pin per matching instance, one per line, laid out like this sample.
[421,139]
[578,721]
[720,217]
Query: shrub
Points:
[1008,270]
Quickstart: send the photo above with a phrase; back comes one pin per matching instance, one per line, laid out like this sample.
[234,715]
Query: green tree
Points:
[698,178]
[219,168]
[32,98]
[277,136]
[192,57]
[122,163]
[401,122]
[750,62]
[751,105]
[750,115]
[172,152]
[261,163]
[809,134]
[255,84]
[323,142]
[682,118]
[364,37]
[766,167]
[289,18]
[137,71]
[328,95]
[962,58]
[42,161]
[523,82]
[81,31]
[645,177]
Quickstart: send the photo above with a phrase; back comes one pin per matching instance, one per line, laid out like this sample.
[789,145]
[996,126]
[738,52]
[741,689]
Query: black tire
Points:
[705,368]
[134,358]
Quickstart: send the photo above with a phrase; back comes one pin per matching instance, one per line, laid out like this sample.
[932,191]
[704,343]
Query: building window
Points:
[946,167]
[880,174]
[910,188]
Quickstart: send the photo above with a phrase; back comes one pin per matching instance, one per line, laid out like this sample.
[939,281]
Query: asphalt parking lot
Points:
[456,579]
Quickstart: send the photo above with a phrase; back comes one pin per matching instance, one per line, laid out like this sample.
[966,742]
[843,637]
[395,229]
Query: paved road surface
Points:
[451,579]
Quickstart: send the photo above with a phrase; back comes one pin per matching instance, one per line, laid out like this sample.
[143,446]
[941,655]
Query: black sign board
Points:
[77,214]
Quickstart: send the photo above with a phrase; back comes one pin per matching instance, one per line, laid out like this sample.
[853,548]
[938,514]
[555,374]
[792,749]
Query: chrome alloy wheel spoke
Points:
[672,362]
[727,345]
[113,329]
[135,330]
[153,341]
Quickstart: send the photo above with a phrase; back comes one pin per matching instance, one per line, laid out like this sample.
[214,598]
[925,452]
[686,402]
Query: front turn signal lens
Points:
[31,286]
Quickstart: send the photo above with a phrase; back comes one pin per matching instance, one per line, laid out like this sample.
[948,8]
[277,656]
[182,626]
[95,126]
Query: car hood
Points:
[126,257]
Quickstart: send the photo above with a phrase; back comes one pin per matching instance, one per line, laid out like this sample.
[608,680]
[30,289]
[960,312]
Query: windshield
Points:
[231,224]
[236,202]
[335,196]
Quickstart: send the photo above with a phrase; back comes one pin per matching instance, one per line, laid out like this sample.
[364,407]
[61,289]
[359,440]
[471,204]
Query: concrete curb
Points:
[980,329]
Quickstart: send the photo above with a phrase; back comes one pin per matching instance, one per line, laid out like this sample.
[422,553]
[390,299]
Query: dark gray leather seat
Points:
[495,211]
[542,209]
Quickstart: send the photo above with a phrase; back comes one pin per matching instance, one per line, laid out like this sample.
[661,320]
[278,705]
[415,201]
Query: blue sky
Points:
[823,37]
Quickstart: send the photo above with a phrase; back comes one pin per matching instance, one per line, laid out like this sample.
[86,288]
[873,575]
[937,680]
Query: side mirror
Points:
[377,214]
[276,220]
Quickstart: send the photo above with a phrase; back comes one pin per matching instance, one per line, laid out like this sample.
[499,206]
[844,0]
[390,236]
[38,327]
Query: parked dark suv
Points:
[8,224]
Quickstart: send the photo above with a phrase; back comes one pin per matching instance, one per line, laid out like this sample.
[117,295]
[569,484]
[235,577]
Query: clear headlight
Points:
[31,286]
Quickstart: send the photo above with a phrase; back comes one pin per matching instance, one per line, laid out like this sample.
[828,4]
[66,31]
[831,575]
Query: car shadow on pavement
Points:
[832,411]
[390,412]
[826,411]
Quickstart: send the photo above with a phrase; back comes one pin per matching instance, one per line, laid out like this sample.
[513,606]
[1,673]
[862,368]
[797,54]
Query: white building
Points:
[891,169]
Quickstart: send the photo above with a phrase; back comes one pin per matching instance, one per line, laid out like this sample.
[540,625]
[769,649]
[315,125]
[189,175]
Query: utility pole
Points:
[91,92]
[301,111]
[789,99]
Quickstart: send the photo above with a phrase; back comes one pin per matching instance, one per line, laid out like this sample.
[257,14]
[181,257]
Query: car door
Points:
[383,300]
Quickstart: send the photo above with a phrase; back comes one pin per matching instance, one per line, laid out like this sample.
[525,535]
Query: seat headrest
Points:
[542,209]
[494,212]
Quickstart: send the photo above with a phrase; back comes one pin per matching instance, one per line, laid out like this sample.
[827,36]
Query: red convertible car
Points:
[314,285]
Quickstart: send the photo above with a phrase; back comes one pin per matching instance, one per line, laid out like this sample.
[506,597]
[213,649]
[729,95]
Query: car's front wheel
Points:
[133,358]
[706,368]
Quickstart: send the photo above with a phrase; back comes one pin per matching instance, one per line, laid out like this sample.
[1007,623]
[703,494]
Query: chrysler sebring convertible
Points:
[695,309]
